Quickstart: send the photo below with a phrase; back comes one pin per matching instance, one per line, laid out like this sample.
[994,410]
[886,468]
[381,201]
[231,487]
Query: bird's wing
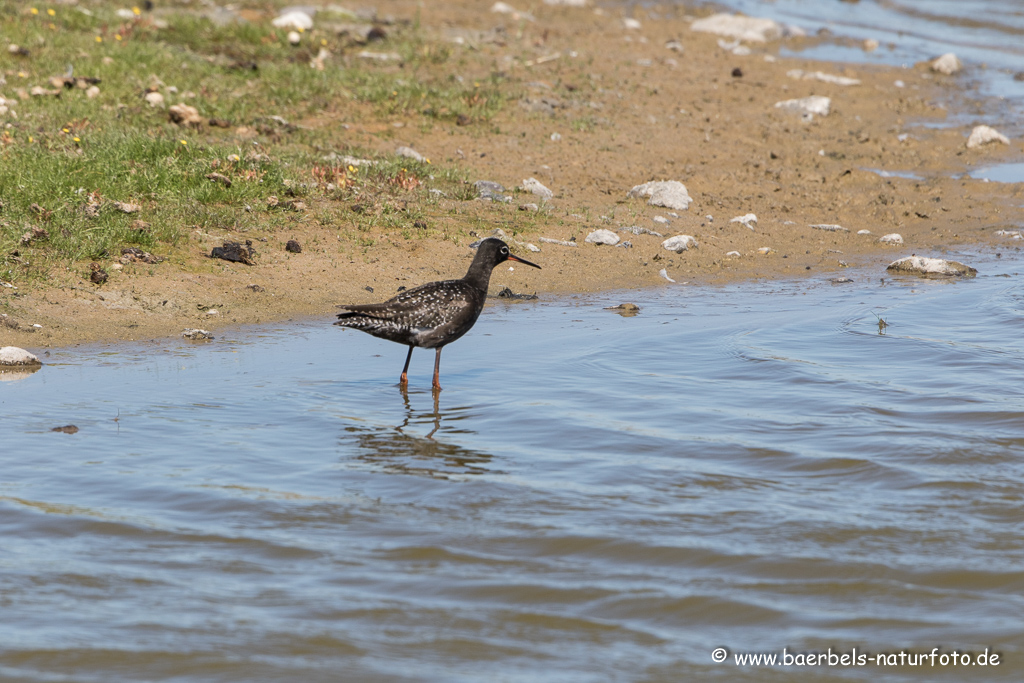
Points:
[420,308]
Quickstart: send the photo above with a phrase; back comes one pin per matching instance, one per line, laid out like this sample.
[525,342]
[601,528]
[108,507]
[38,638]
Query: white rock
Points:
[155,99]
[380,56]
[746,221]
[921,265]
[982,135]
[863,232]
[671,194]
[410,153]
[630,23]
[125,13]
[566,3]
[93,92]
[870,45]
[765,250]
[947,64]
[799,74]
[356,161]
[660,219]
[294,38]
[294,19]
[891,238]
[815,104]
[533,185]
[679,243]
[12,356]
[733,253]
[563,243]
[829,227]
[532,247]
[503,8]
[603,237]
[750,29]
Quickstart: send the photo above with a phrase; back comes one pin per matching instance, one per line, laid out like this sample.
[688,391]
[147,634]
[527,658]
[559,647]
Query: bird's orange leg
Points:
[437,370]
[404,381]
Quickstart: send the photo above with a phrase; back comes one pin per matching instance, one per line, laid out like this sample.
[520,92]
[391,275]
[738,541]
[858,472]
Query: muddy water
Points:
[593,498]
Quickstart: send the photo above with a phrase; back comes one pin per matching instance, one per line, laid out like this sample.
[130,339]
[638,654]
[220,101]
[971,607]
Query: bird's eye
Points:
[504,250]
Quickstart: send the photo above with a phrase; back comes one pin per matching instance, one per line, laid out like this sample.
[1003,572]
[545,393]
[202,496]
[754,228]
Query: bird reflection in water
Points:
[399,449]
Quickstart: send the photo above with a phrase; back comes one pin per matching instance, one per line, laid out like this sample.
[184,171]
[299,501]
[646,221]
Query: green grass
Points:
[61,154]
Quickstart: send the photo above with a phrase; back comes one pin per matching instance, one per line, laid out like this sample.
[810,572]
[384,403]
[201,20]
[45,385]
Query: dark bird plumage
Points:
[435,314]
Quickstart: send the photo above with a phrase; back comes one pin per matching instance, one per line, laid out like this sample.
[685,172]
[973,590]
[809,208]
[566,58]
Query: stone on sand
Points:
[924,266]
[670,194]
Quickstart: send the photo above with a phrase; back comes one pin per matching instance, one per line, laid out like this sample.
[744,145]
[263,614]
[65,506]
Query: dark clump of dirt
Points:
[236,253]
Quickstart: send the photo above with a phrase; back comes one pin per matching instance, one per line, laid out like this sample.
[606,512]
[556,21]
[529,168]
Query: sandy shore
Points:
[626,109]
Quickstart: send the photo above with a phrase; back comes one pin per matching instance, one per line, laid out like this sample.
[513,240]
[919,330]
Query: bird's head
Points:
[493,251]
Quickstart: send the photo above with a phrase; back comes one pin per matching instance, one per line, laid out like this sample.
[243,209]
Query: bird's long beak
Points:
[522,260]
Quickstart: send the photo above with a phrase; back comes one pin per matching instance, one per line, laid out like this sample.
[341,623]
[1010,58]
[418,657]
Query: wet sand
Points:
[628,110]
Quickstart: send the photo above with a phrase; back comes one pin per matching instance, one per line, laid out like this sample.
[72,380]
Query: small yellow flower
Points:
[22,74]
[136,11]
[51,12]
[300,29]
[427,160]
[117,37]
[65,130]
[77,139]
[323,41]
[99,39]
[353,169]
[184,142]
[34,11]
[31,139]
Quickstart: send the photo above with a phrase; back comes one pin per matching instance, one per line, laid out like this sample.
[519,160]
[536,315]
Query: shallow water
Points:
[593,498]
[1001,173]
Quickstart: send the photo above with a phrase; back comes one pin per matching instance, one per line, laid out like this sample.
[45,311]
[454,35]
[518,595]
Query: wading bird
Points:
[435,314]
